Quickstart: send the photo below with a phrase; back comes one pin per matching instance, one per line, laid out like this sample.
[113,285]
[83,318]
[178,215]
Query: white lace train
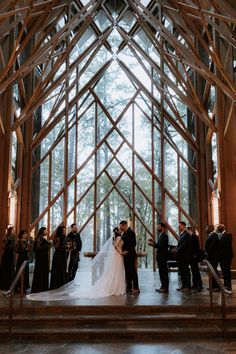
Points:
[106,278]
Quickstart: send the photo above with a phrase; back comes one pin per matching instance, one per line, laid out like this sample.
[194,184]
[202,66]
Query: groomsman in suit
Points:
[130,257]
[162,256]
[225,254]
[184,257]
[74,239]
[212,248]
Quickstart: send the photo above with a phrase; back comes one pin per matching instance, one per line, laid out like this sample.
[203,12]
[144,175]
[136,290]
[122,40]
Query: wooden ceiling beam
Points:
[31,8]
[51,43]
[185,53]
[20,44]
[194,10]
[42,84]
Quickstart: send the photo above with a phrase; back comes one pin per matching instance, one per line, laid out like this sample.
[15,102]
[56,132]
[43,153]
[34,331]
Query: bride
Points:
[107,273]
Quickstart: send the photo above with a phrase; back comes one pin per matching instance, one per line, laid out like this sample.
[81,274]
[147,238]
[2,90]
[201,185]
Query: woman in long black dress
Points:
[58,271]
[22,249]
[7,269]
[41,268]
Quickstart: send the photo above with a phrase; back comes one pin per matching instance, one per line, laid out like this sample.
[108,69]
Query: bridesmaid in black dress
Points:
[22,249]
[41,268]
[7,269]
[58,271]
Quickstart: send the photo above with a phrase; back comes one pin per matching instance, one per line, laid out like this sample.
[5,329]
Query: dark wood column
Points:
[203,162]
[27,155]
[227,168]
[6,119]
[5,160]
[226,116]
[227,165]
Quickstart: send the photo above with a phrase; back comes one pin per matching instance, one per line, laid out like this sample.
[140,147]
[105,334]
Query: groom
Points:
[129,252]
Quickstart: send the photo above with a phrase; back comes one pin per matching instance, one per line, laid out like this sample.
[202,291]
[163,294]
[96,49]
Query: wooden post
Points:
[226,119]
[202,182]
[6,119]
[25,217]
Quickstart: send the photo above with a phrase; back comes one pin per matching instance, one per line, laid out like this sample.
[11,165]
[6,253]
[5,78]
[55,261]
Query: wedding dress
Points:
[106,277]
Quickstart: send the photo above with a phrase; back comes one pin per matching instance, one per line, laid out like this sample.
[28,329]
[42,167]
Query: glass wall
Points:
[116,142]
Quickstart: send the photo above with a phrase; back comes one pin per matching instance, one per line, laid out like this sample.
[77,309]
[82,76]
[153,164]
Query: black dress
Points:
[41,268]
[7,269]
[22,248]
[58,271]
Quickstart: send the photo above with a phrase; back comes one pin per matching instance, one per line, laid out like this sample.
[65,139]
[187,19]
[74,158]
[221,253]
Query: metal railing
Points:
[10,293]
[212,274]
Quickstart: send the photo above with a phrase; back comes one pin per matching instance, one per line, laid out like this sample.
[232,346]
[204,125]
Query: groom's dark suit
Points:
[129,239]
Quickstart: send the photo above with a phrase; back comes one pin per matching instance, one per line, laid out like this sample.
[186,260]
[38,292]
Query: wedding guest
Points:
[130,258]
[212,248]
[195,251]
[31,250]
[225,254]
[184,257]
[74,239]
[162,257]
[22,250]
[58,271]
[7,269]
[41,269]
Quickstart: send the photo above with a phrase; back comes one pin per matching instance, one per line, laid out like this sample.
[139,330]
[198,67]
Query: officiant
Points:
[162,256]
[74,245]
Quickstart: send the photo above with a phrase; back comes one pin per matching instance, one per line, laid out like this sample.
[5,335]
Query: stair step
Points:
[113,309]
[131,332]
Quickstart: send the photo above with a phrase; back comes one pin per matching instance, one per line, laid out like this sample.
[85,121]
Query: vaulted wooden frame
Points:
[191,21]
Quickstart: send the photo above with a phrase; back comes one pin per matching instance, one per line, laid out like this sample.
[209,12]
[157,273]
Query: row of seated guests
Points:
[21,248]
[65,258]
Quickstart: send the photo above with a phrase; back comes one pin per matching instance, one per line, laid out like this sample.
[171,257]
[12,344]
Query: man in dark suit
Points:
[73,239]
[184,257]
[130,256]
[225,254]
[162,257]
[195,251]
[212,248]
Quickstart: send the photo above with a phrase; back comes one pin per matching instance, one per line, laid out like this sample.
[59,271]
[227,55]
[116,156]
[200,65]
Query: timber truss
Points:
[47,49]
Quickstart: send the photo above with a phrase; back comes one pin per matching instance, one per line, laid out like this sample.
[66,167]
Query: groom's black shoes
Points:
[157,290]
[132,292]
[180,289]
[163,291]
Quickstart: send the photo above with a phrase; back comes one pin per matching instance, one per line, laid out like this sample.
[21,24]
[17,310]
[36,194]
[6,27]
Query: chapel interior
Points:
[113,110]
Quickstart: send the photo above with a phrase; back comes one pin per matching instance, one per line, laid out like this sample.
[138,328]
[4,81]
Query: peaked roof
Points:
[42,36]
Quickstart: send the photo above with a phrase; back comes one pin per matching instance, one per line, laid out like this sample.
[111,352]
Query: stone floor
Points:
[198,347]
[148,282]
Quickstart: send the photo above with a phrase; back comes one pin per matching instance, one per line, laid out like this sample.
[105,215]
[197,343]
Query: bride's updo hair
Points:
[116,232]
